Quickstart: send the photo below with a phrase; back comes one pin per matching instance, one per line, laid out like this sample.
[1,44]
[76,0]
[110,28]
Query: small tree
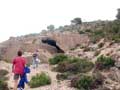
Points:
[43,31]
[60,28]
[76,21]
[51,27]
[118,14]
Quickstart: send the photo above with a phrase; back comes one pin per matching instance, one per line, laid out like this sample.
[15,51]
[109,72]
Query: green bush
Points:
[109,31]
[7,60]
[83,66]
[40,80]
[3,78]
[62,76]
[85,82]
[3,73]
[3,85]
[88,30]
[104,62]
[96,35]
[87,49]
[74,60]
[82,82]
[81,32]
[100,45]
[98,80]
[58,58]
[73,48]
[62,66]
[75,65]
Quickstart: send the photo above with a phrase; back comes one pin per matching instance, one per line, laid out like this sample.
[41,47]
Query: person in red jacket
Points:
[18,66]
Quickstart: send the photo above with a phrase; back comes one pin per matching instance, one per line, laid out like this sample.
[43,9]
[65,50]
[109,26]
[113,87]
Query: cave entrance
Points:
[52,42]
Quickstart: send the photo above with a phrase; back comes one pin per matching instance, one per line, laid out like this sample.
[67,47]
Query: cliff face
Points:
[65,41]
[68,40]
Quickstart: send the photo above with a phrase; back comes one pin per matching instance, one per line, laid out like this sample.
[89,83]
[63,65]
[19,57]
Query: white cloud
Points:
[19,17]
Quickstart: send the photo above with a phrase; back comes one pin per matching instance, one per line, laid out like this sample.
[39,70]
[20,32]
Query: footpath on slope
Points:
[55,85]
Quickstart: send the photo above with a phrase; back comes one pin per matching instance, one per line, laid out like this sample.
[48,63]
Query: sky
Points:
[20,17]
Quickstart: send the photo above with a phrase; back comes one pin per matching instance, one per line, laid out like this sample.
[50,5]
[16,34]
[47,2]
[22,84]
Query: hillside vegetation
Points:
[82,55]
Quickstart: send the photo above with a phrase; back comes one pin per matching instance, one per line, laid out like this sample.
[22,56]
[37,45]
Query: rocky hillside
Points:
[86,55]
[30,43]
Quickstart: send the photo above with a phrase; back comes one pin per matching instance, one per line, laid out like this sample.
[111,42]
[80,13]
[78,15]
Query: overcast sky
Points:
[19,17]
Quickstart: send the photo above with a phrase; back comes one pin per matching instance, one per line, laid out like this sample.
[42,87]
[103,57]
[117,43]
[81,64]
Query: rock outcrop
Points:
[29,43]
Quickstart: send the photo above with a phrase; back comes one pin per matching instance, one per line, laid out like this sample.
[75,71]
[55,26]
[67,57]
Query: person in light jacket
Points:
[35,60]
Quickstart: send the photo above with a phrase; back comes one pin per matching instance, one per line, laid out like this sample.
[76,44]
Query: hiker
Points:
[36,61]
[18,66]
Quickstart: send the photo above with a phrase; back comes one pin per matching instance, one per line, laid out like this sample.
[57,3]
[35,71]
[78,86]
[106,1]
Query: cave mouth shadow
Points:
[52,42]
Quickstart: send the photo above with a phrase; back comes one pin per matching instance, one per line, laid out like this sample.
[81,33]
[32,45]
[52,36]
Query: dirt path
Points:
[55,85]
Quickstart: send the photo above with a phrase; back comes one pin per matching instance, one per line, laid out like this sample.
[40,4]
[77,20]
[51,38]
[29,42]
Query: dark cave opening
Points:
[52,43]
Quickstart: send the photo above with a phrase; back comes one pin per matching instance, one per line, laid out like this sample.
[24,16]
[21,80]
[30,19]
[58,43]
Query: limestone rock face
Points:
[30,43]
[68,40]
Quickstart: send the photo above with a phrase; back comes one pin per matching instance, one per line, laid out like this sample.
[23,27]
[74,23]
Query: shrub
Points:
[3,73]
[100,45]
[62,76]
[109,31]
[104,62]
[96,35]
[73,48]
[74,60]
[94,40]
[85,82]
[82,47]
[83,66]
[7,60]
[40,80]
[74,81]
[76,65]
[62,67]
[81,32]
[3,85]
[87,49]
[116,39]
[3,78]
[58,58]
[98,80]
[82,82]
[88,30]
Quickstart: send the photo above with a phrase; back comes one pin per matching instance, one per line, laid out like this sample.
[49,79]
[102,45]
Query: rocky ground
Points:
[55,85]
[112,80]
